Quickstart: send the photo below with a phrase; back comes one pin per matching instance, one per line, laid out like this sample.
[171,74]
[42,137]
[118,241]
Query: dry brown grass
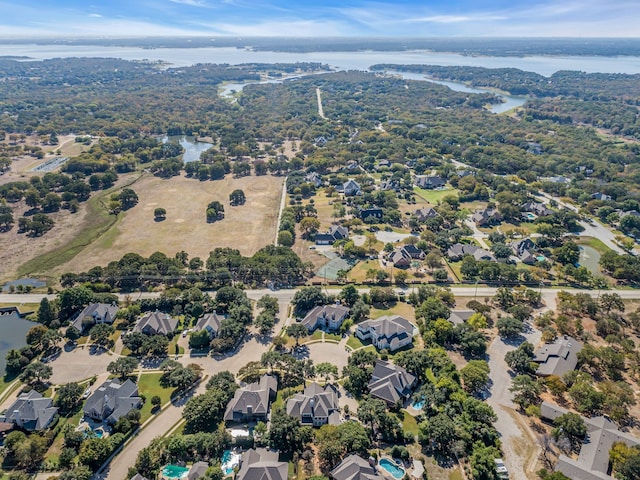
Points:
[248,227]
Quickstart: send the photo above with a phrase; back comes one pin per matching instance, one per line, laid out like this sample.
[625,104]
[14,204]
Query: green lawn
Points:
[456,475]
[399,308]
[149,385]
[284,394]
[332,336]
[434,196]
[594,243]
[172,345]
[354,342]
[409,423]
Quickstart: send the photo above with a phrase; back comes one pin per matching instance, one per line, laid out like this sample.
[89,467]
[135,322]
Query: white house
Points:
[391,333]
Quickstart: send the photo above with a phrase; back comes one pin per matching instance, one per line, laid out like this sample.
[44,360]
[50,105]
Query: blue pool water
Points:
[174,471]
[395,470]
[418,405]
[230,460]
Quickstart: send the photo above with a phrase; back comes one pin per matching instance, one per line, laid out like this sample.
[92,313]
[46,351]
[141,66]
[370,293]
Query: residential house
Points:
[351,188]
[402,257]
[525,249]
[387,332]
[93,314]
[458,251]
[137,476]
[112,400]
[373,212]
[458,317]
[391,383]
[487,216]
[320,141]
[593,460]
[536,208]
[556,179]
[335,233]
[314,178]
[390,184]
[429,182]
[197,470]
[31,412]
[326,317]
[355,467]
[352,165]
[156,323]
[633,213]
[465,173]
[316,406]
[383,164]
[557,358]
[424,214]
[262,464]
[209,322]
[252,401]
[601,196]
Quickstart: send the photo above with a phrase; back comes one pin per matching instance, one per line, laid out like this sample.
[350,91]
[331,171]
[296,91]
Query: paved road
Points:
[477,234]
[320,109]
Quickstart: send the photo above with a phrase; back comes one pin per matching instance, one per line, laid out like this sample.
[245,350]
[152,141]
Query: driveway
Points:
[391,237]
[79,364]
[515,435]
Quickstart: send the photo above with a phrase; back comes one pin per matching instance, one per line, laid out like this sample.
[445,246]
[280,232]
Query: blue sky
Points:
[575,18]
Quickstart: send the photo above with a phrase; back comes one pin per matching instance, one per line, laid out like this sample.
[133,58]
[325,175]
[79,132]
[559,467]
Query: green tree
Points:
[100,334]
[285,238]
[475,375]
[526,391]
[159,214]
[297,331]
[349,295]
[572,426]
[306,298]
[68,397]
[122,367]
[36,372]
[46,312]
[237,197]
[128,198]
[286,433]
[519,360]
[509,327]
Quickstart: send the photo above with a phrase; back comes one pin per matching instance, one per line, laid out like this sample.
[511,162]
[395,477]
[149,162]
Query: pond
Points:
[590,258]
[192,147]
[14,330]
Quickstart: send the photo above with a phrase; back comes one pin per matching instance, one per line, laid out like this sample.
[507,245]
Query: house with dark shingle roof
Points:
[262,464]
[593,461]
[487,216]
[252,401]
[156,323]
[93,314]
[402,257]
[387,332]
[335,233]
[209,322]
[197,470]
[525,249]
[137,476]
[355,467]
[351,188]
[557,358]
[536,208]
[316,406]
[391,383]
[425,213]
[459,250]
[112,400]
[314,178]
[326,317]
[458,317]
[429,182]
[31,412]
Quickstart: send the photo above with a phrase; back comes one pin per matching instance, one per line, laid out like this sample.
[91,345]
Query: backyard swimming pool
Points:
[230,460]
[418,405]
[394,469]
[174,471]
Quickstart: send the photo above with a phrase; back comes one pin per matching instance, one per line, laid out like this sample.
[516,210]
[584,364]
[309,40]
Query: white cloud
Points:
[95,15]
[456,18]
[292,28]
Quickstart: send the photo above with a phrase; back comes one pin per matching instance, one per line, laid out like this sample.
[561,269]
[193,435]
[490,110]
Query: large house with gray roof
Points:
[387,332]
[31,412]
[355,467]
[262,464]
[252,402]
[487,216]
[316,406]
[391,383]
[112,400]
[557,358]
[197,470]
[593,461]
[156,323]
[326,317]
[429,181]
[458,251]
[93,314]
[209,322]
[335,233]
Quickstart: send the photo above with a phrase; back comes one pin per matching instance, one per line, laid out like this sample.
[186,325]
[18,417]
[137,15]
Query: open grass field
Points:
[594,243]
[433,196]
[248,227]
[149,385]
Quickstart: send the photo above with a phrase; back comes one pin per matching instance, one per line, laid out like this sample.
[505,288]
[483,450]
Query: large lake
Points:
[544,65]
[14,331]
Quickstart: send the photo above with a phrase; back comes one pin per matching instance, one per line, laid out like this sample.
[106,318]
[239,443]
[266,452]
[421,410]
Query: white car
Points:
[184,334]
[86,393]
